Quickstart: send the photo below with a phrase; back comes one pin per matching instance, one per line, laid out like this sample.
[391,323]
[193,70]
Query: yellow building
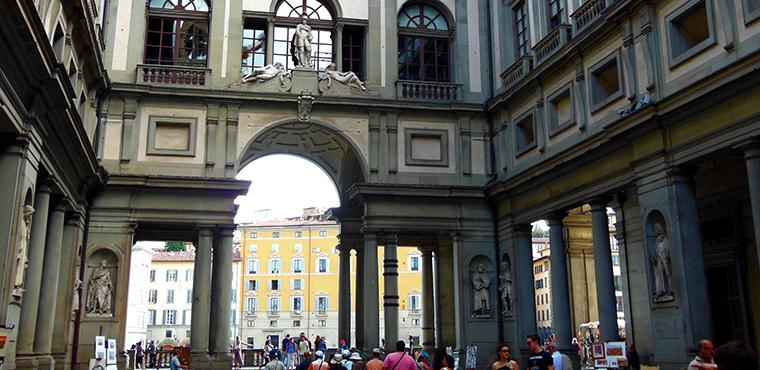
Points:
[289,281]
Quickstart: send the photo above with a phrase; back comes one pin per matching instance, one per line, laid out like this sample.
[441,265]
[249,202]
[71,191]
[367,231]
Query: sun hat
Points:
[319,354]
[376,350]
[337,358]
[355,357]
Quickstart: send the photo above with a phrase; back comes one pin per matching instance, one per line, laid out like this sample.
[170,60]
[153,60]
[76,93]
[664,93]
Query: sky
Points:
[284,184]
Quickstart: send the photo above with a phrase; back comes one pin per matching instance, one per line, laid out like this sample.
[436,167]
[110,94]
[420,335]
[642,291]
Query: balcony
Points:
[415,311]
[321,312]
[296,313]
[517,71]
[172,75]
[273,312]
[554,41]
[250,313]
[589,12]
[431,91]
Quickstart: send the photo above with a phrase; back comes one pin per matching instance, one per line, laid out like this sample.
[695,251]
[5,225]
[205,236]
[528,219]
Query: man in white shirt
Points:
[704,360]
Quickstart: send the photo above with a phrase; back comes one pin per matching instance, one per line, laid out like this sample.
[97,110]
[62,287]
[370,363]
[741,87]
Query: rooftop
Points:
[186,256]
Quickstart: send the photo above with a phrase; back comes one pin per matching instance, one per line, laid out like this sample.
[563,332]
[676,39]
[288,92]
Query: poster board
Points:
[471,358]
[111,352]
[612,355]
[100,347]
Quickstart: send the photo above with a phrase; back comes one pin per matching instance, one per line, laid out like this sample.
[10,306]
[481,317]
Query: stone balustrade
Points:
[587,13]
[517,70]
[425,90]
[172,75]
[554,41]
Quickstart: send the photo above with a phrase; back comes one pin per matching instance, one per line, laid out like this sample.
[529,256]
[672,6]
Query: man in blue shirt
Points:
[174,363]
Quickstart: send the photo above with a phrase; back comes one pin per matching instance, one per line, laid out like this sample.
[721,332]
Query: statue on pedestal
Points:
[661,265]
[267,73]
[99,292]
[300,45]
[481,283]
[22,247]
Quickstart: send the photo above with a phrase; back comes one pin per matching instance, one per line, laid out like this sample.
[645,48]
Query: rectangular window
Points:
[415,322]
[751,9]
[298,247]
[321,47]
[168,333]
[297,284]
[186,317]
[297,304]
[152,296]
[606,82]
[151,317]
[556,9]
[249,341]
[189,296]
[170,317]
[353,50]
[170,296]
[322,305]
[690,30]
[423,58]
[322,233]
[414,303]
[254,45]
[171,275]
[176,41]
[252,266]
[616,260]
[233,296]
[618,282]
[522,39]
[525,133]
[275,266]
[272,323]
[275,248]
[322,323]
[253,285]
[275,235]
[152,275]
[296,323]
[189,275]
[274,305]
[619,303]
[561,110]
[254,235]
[322,265]
[414,263]
[297,265]
[298,234]
[274,285]
[250,304]
[233,317]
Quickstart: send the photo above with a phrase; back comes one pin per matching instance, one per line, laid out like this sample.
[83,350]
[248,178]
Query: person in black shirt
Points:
[538,359]
[306,364]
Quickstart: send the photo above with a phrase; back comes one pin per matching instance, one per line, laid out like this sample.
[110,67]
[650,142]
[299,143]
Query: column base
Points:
[26,362]
[45,362]
[200,360]
[220,361]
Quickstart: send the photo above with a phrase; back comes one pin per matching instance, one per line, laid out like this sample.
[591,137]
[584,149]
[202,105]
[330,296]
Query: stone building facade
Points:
[124,121]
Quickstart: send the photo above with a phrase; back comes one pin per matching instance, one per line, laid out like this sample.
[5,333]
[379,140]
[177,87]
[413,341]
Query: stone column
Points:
[43,336]
[339,45]
[605,284]
[436,298]
[390,294]
[523,267]
[370,291]
[752,158]
[221,295]
[428,306]
[344,293]
[268,56]
[28,322]
[199,319]
[359,299]
[562,324]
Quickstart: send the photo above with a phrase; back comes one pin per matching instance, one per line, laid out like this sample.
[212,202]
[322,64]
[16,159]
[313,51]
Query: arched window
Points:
[177,32]
[423,44]
[321,19]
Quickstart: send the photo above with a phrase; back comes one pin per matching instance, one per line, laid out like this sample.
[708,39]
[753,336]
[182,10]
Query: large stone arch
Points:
[330,149]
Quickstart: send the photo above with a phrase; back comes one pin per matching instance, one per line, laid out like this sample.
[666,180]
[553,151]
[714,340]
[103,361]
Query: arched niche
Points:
[483,283]
[660,252]
[505,287]
[101,281]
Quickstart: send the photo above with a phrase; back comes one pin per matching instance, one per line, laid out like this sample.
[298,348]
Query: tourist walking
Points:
[561,361]
[174,363]
[356,361]
[237,353]
[375,363]
[139,353]
[505,362]
[291,354]
[336,363]
[399,360]
[538,359]
[274,361]
[152,354]
[319,362]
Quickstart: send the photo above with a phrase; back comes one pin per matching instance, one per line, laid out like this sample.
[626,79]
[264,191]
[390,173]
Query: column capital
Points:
[427,249]
[369,234]
[226,230]
[390,238]
[556,218]
[343,249]
[599,203]
[522,229]
[684,173]
[44,187]
[205,230]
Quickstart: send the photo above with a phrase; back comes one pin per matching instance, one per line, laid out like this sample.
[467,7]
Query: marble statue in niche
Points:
[300,45]
[481,283]
[22,248]
[661,266]
[505,285]
[99,291]
[350,79]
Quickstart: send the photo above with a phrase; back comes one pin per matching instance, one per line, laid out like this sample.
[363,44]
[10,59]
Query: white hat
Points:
[337,358]
[355,357]
[319,354]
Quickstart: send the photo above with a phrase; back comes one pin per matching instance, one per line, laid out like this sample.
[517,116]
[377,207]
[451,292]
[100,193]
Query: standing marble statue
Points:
[99,291]
[481,283]
[300,45]
[75,295]
[661,263]
[505,285]
[22,247]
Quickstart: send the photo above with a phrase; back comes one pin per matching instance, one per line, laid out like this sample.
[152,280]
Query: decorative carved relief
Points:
[305,101]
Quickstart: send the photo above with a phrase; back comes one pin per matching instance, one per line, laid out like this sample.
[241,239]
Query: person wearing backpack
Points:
[399,360]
